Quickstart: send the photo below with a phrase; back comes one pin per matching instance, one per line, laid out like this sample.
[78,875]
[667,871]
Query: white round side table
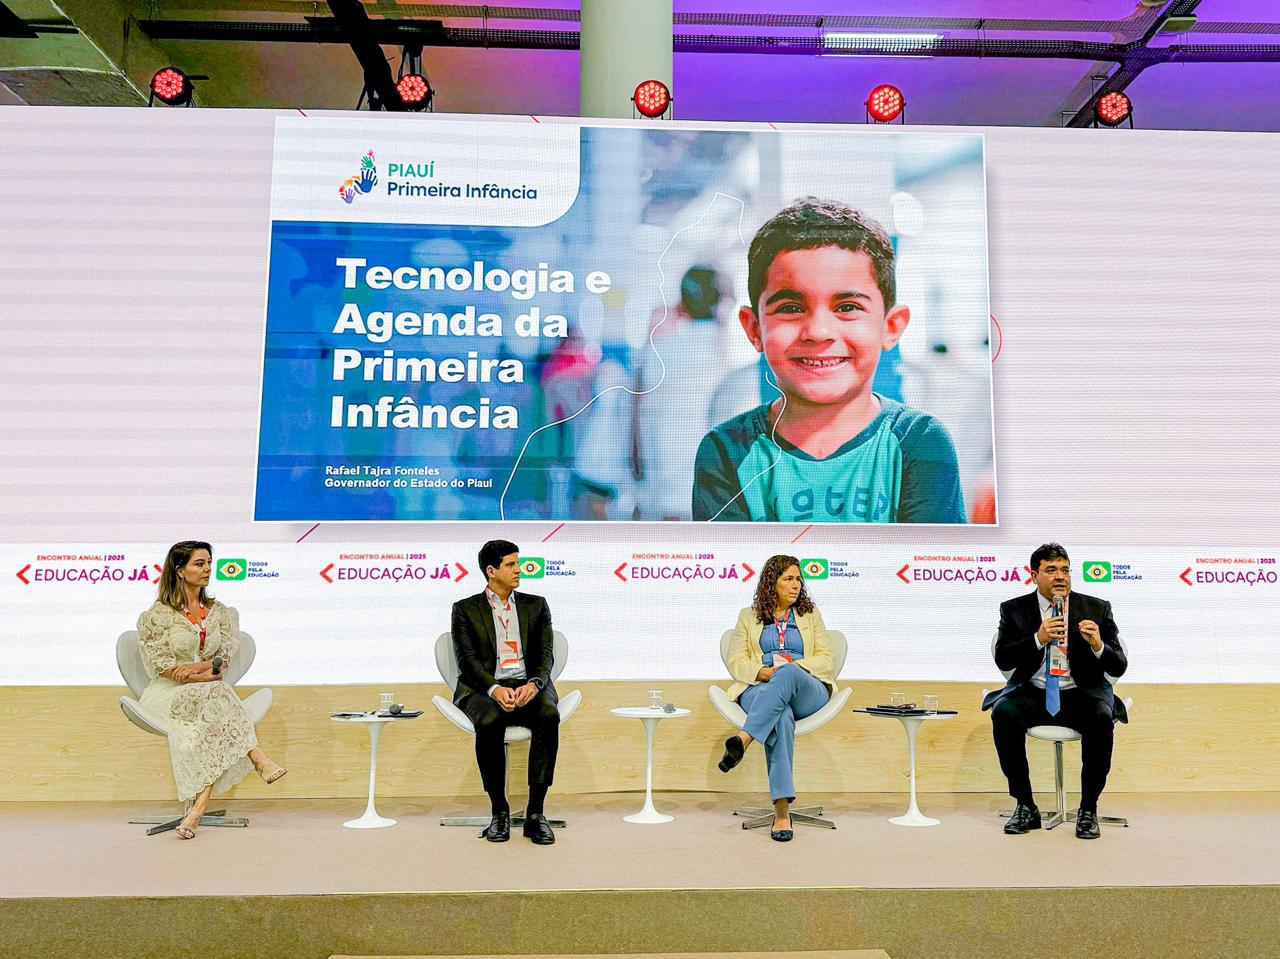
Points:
[911,723]
[374,723]
[650,717]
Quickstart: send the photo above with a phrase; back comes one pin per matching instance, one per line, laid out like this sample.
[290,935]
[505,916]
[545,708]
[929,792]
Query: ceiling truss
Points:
[1123,57]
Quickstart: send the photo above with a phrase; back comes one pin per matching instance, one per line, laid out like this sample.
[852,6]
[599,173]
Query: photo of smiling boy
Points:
[828,450]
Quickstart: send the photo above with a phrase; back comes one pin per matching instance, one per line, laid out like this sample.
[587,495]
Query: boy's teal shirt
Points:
[900,469]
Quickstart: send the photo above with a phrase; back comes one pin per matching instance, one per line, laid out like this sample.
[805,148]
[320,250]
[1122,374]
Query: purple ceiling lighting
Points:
[1023,62]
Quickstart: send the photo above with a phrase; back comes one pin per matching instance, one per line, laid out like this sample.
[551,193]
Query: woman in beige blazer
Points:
[782,670]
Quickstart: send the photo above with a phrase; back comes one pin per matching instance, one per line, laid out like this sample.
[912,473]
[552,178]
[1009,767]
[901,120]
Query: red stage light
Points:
[652,98]
[1113,109]
[885,103]
[170,85]
[414,90]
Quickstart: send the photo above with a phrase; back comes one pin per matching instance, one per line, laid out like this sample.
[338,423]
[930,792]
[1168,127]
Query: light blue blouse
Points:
[792,642]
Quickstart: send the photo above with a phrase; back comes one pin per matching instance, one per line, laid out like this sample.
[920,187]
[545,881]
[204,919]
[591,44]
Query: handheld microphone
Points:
[217,665]
[1060,609]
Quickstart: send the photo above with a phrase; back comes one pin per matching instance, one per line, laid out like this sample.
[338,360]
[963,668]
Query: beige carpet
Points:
[300,847]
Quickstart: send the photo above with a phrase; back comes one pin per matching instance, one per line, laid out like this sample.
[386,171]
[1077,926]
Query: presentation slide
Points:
[528,321]
[347,350]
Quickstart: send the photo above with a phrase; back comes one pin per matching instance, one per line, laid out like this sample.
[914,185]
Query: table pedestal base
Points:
[371,819]
[648,814]
[649,718]
[913,817]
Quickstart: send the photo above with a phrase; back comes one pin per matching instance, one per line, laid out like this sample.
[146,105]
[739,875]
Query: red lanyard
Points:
[504,620]
[197,622]
[781,626]
[512,659]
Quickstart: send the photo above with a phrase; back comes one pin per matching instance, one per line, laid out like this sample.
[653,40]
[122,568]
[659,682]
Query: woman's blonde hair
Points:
[170,592]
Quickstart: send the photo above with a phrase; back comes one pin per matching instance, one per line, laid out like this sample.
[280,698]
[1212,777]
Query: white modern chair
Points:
[756,816]
[447,663]
[129,660]
[1059,735]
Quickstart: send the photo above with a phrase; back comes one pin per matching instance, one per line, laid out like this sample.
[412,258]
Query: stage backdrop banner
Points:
[1133,354]
[499,320]
[371,613]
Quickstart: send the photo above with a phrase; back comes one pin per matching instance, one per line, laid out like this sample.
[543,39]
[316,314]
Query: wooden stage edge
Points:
[1172,923]
[73,743]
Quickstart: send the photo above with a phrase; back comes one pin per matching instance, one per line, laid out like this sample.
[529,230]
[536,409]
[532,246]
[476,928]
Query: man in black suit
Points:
[503,642]
[1061,646]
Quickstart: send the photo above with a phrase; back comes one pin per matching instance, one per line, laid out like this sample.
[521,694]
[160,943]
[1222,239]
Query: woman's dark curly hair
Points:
[766,600]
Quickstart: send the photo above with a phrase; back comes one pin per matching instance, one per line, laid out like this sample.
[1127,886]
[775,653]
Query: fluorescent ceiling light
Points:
[880,44]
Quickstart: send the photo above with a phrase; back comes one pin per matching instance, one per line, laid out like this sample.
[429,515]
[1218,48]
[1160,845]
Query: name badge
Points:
[1058,660]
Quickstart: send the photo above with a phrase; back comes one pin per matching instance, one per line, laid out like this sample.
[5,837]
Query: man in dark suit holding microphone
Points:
[1060,646]
[504,646]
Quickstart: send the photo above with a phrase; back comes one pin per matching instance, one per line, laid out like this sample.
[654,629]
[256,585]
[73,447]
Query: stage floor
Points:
[299,847]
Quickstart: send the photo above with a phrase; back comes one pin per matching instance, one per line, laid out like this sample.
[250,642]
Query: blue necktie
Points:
[1051,701]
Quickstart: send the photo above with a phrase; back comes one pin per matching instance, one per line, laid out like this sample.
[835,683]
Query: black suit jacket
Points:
[1017,648]
[475,643]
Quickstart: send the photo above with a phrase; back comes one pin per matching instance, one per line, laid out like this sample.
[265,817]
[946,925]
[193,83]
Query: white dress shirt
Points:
[506,631]
[1065,681]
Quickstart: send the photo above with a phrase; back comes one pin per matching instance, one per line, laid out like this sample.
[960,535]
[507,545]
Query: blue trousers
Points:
[772,709]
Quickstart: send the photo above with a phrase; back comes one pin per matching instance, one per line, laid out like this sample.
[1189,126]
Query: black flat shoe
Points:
[733,752]
[499,828]
[1023,820]
[539,830]
[780,835]
[1087,825]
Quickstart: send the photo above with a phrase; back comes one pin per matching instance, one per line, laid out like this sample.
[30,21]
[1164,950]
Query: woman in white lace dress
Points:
[188,642]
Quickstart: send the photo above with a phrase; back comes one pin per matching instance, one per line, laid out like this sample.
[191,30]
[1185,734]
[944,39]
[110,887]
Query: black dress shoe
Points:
[499,828]
[538,829]
[1087,825]
[733,752]
[780,835]
[1024,819]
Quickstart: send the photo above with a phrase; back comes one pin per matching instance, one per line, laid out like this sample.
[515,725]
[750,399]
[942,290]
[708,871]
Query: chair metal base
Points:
[1060,813]
[757,816]
[212,817]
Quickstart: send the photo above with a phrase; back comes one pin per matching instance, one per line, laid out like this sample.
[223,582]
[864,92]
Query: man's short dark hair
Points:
[810,223]
[1047,551]
[491,553]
